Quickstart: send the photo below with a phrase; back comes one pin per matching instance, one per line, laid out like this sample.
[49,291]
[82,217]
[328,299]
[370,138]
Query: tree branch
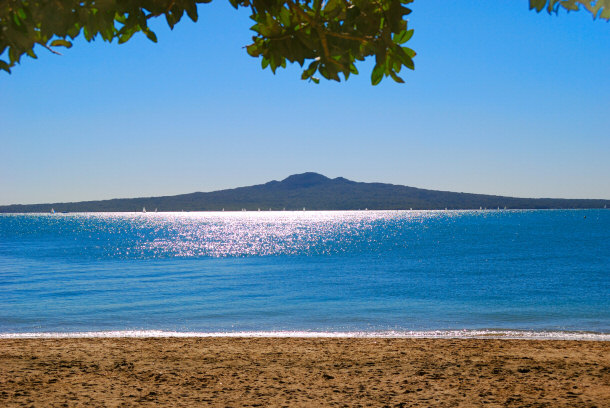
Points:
[349,37]
[50,49]
[319,29]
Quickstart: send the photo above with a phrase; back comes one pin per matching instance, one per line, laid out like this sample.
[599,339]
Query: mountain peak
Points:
[304,180]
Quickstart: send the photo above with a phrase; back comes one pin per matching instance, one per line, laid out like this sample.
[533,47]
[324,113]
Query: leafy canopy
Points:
[326,37]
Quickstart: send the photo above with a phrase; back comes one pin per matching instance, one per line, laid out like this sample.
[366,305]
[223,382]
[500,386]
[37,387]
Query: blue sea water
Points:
[367,272]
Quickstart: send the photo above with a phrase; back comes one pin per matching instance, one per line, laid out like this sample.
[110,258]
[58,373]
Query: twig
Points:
[349,37]
[320,30]
[50,49]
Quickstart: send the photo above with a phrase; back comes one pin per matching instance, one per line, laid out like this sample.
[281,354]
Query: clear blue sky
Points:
[502,101]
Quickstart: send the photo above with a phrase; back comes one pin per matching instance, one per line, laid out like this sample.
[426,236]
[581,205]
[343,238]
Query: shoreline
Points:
[479,334]
[238,371]
[300,211]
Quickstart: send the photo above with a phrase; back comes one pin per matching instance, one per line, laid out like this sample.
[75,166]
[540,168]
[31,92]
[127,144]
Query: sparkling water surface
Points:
[358,272]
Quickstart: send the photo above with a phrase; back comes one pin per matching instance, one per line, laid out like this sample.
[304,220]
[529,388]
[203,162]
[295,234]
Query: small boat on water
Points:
[143,209]
[52,211]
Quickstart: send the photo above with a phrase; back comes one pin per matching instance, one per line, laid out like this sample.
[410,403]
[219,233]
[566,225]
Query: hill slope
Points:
[314,192]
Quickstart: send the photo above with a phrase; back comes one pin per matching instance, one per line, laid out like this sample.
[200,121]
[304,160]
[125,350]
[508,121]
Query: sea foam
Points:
[431,334]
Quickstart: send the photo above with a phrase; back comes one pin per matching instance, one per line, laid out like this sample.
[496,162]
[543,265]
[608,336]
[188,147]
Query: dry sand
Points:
[296,372]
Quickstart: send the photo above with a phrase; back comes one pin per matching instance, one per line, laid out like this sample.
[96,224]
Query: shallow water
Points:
[367,272]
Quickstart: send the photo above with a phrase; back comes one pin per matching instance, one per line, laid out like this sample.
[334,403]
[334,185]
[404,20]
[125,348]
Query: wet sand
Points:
[295,372]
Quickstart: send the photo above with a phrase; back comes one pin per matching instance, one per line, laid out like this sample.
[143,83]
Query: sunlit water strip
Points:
[306,272]
[431,334]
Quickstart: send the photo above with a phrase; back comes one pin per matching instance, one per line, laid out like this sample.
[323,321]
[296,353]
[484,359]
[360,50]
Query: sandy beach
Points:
[304,372]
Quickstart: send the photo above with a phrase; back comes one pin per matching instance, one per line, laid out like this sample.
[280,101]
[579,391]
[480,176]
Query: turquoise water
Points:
[322,272]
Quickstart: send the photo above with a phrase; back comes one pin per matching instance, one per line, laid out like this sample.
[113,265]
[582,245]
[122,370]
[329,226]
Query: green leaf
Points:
[5,67]
[403,36]
[333,8]
[311,69]
[87,33]
[13,55]
[377,74]
[253,50]
[61,43]
[285,17]
[396,77]
[191,11]
[401,55]
[409,52]
[124,37]
[537,4]
[151,35]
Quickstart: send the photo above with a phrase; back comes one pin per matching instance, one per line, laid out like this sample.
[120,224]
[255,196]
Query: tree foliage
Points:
[325,37]
[598,8]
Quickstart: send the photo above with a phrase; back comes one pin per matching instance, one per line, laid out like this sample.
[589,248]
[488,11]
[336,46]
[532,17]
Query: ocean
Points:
[498,273]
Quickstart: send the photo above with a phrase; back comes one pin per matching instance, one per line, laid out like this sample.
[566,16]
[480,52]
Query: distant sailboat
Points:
[143,209]
[303,208]
[155,210]
[52,211]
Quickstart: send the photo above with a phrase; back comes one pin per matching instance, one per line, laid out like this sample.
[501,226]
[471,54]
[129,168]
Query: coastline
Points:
[494,334]
[271,371]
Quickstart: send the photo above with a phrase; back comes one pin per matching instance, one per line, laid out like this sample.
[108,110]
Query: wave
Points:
[432,334]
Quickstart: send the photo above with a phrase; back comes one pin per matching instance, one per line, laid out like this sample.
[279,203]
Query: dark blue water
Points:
[306,271]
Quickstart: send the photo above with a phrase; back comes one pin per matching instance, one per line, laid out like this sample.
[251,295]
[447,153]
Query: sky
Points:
[502,101]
